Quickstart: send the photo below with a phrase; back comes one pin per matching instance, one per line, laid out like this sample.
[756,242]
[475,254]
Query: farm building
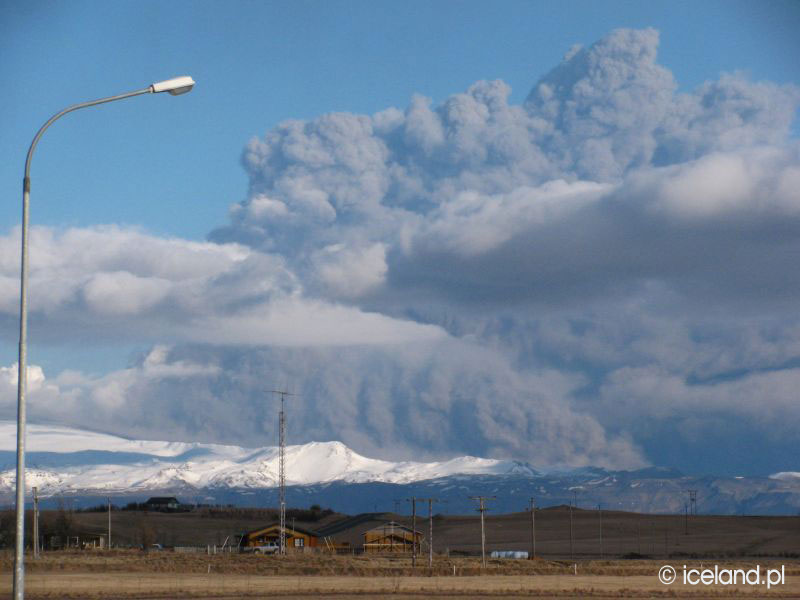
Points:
[163,503]
[297,539]
[391,537]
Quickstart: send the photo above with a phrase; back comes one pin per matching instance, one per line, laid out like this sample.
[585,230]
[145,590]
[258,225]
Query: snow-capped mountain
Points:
[84,466]
[63,460]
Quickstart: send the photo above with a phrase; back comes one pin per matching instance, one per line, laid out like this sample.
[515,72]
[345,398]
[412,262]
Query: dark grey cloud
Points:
[432,400]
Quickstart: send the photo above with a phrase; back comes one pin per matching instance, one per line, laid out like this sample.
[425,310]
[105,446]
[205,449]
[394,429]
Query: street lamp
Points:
[176,86]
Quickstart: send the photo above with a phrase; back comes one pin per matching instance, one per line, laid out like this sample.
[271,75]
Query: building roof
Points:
[162,500]
[392,525]
[278,526]
[350,523]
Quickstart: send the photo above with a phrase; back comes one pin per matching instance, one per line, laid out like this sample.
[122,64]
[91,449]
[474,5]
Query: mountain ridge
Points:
[65,462]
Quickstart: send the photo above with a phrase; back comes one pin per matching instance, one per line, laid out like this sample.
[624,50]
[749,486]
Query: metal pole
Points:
[35,523]
[22,370]
[639,534]
[482,509]
[430,544]
[414,532]
[483,537]
[600,513]
[282,475]
[533,529]
[685,518]
[282,469]
[571,553]
[653,536]
[109,523]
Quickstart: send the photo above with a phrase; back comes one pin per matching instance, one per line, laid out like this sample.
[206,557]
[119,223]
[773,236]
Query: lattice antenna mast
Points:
[282,467]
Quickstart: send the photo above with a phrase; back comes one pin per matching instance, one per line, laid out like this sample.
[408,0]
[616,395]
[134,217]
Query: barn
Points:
[391,537]
[297,538]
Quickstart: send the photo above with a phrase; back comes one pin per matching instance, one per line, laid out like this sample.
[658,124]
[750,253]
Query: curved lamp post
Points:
[176,86]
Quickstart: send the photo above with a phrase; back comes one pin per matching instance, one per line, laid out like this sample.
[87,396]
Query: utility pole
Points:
[413,501]
[600,514]
[685,518]
[482,509]
[653,536]
[639,534]
[571,551]
[109,523]
[430,524]
[282,467]
[35,522]
[692,502]
[533,529]
[430,502]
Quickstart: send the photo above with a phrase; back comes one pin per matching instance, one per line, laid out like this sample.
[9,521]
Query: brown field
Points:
[624,533]
[134,574]
[634,548]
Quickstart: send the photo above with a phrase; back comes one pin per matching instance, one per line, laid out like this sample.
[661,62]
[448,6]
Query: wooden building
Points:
[391,537]
[297,538]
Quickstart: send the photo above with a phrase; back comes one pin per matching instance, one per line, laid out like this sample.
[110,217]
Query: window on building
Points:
[298,541]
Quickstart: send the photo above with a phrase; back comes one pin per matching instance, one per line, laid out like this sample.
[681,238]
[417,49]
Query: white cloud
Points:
[122,293]
[111,282]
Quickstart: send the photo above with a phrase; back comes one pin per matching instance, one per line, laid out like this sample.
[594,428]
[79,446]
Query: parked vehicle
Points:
[266,549]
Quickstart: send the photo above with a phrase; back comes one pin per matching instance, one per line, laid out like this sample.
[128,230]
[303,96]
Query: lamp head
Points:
[175,86]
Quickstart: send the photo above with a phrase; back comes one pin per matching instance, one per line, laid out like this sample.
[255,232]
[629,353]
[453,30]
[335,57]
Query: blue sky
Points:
[358,244]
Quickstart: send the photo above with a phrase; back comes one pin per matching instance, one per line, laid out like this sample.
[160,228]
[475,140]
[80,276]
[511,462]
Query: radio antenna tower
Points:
[282,467]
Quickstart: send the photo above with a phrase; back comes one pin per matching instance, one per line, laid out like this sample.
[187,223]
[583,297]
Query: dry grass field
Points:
[133,574]
[634,547]
[624,533]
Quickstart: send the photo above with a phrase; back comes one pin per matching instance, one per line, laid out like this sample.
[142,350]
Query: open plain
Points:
[634,547]
[138,575]
[623,534]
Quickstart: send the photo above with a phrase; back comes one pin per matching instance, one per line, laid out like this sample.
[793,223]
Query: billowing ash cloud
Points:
[433,399]
[613,263]
[473,196]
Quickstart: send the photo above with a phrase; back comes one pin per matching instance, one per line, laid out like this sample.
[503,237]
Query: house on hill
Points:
[297,538]
[391,537]
[163,503]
